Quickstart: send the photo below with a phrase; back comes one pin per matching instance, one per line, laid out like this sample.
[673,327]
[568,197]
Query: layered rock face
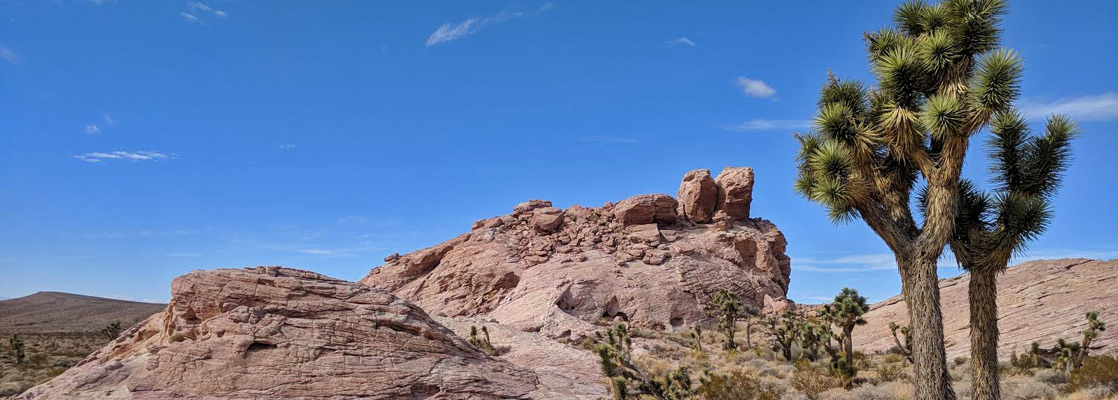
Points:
[1038,301]
[273,332]
[650,260]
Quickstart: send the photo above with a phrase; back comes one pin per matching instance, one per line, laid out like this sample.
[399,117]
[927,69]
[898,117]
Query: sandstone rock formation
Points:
[1037,301]
[638,260]
[698,195]
[273,332]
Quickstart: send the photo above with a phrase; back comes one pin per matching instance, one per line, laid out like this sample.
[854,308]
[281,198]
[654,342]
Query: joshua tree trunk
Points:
[848,342]
[748,333]
[984,334]
[921,294]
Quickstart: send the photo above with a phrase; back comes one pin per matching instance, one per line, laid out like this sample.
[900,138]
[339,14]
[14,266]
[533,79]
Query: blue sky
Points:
[142,139]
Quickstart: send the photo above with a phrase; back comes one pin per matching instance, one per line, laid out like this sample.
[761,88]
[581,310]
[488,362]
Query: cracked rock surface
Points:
[651,260]
[1039,301]
[272,332]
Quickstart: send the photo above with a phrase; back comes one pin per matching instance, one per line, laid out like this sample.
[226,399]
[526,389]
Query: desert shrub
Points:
[1028,389]
[1050,376]
[1095,393]
[900,390]
[812,381]
[961,360]
[738,385]
[964,389]
[892,358]
[1098,371]
[870,392]
[889,372]
[836,394]
[178,337]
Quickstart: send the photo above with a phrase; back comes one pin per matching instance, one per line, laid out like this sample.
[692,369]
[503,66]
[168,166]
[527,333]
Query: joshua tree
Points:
[784,329]
[814,335]
[16,345]
[726,307]
[482,342]
[112,330]
[697,337]
[626,379]
[1069,355]
[940,78]
[991,227]
[906,347]
[846,312]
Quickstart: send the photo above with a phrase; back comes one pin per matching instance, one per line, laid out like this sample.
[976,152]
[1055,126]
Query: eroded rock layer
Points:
[272,332]
[648,260]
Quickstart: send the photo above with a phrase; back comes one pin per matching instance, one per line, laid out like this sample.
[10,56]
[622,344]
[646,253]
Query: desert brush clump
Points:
[112,330]
[941,78]
[1097,372]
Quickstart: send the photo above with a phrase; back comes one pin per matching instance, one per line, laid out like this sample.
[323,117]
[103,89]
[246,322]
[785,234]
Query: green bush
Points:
[812,381]
[738,385]
[889,372]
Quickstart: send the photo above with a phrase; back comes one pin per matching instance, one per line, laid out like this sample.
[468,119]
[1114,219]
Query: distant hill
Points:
[67,312]
[1037,301]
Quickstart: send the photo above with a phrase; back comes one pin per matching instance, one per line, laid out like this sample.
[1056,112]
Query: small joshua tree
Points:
[482,342]
[697,338]
[784,330]
[1067,355]
[727,309]
[626,379]
[814,336]
[904,347]
[846,312]
[16,346]
[112,330]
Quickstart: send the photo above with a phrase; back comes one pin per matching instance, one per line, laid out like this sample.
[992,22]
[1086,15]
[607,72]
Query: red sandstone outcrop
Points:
[1037,301]
[270,332]
[698,196]
[556,271]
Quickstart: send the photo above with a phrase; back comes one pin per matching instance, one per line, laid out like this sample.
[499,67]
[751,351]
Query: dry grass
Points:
[880,376]
[47,356]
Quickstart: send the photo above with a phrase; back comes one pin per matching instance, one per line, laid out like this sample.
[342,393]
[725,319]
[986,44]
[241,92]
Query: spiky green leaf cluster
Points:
[992,227]
[940,78]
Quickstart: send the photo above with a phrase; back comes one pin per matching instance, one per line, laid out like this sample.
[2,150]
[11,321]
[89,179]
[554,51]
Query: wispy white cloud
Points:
[91,129]
[855,263]
[1096,107]
[755,87]
[9,55]
[286,146]
[189,17]
[97,157]
[183,255]
[201,8]
[764,124]
[609,139]
[682,41]
[108,119]
[448,31]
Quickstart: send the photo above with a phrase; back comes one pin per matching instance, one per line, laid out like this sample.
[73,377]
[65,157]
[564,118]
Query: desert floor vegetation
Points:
[46,355]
